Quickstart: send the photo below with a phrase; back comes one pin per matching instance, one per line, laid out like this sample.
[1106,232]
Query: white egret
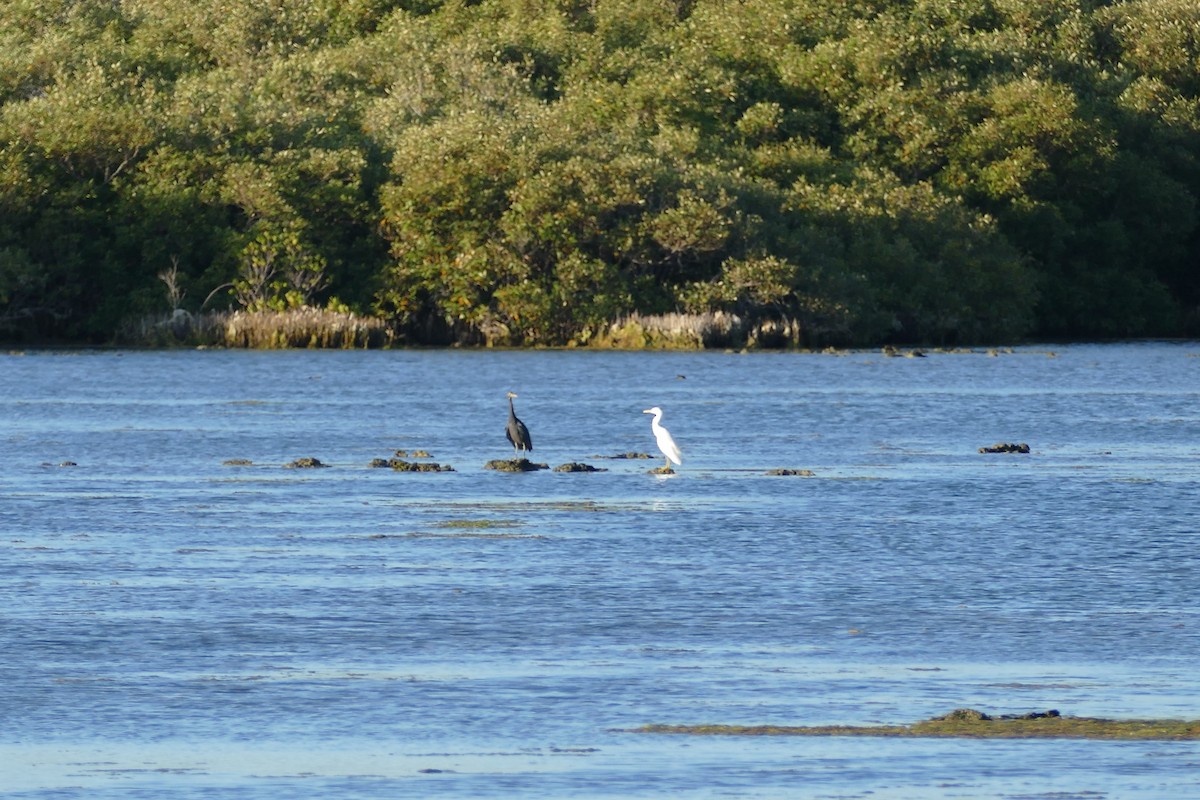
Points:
[661,435]
[515,431]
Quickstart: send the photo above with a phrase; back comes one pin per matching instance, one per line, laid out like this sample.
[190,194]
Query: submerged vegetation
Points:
[478,523]
[969,724]
[629,173]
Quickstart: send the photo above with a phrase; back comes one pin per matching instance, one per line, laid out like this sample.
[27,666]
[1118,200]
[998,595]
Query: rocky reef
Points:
[575,466]
[305,463]
[514,465]
[401,465]
[969,723]
[1005,447]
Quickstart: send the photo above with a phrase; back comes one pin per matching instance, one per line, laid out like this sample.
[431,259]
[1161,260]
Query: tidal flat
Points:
[969,724]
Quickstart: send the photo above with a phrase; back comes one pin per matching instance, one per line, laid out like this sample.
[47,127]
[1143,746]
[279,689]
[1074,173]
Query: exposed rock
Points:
[305,463]
[1005,447]
[891,351]
[237,462]
[515,465]
[575,466]
[803,473]
[964,715]
[661,471]
[400,465]
[627,455]
[413,454]
[1033,715]
[969,723]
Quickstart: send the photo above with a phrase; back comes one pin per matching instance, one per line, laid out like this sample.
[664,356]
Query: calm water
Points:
[175,626]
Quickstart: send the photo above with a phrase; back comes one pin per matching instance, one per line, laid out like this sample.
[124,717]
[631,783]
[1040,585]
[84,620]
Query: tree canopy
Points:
[527,171]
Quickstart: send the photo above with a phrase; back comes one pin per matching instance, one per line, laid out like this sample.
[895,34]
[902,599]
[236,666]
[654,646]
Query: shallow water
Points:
[171,623]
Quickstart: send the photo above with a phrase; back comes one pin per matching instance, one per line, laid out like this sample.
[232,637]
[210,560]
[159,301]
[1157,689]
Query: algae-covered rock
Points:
[400,465]
[514,465]
[803,473]
[1033,715]
[237,462]
[305,463]
[661,471]
[963,715]
[1006,447]
[575,466]
[968,723]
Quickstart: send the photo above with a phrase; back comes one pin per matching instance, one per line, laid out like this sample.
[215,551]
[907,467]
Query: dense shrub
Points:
[532,171]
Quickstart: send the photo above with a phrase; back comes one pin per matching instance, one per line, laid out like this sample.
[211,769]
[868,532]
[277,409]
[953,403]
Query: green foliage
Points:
[528,171]
[279,270]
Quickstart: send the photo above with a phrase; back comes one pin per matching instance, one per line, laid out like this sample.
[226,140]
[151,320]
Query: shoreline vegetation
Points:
[315,328]
[295,328]
[619,173]
[308,327]
[968,724]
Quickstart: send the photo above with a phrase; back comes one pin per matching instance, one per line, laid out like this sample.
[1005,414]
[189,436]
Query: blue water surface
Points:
[176,625]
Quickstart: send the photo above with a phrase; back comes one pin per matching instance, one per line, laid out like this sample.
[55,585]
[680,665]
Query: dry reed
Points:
[697,332]
[262,330]
[307,327]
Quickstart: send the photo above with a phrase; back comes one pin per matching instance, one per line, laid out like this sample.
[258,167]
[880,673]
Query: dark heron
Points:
[516,432]
[661,435]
